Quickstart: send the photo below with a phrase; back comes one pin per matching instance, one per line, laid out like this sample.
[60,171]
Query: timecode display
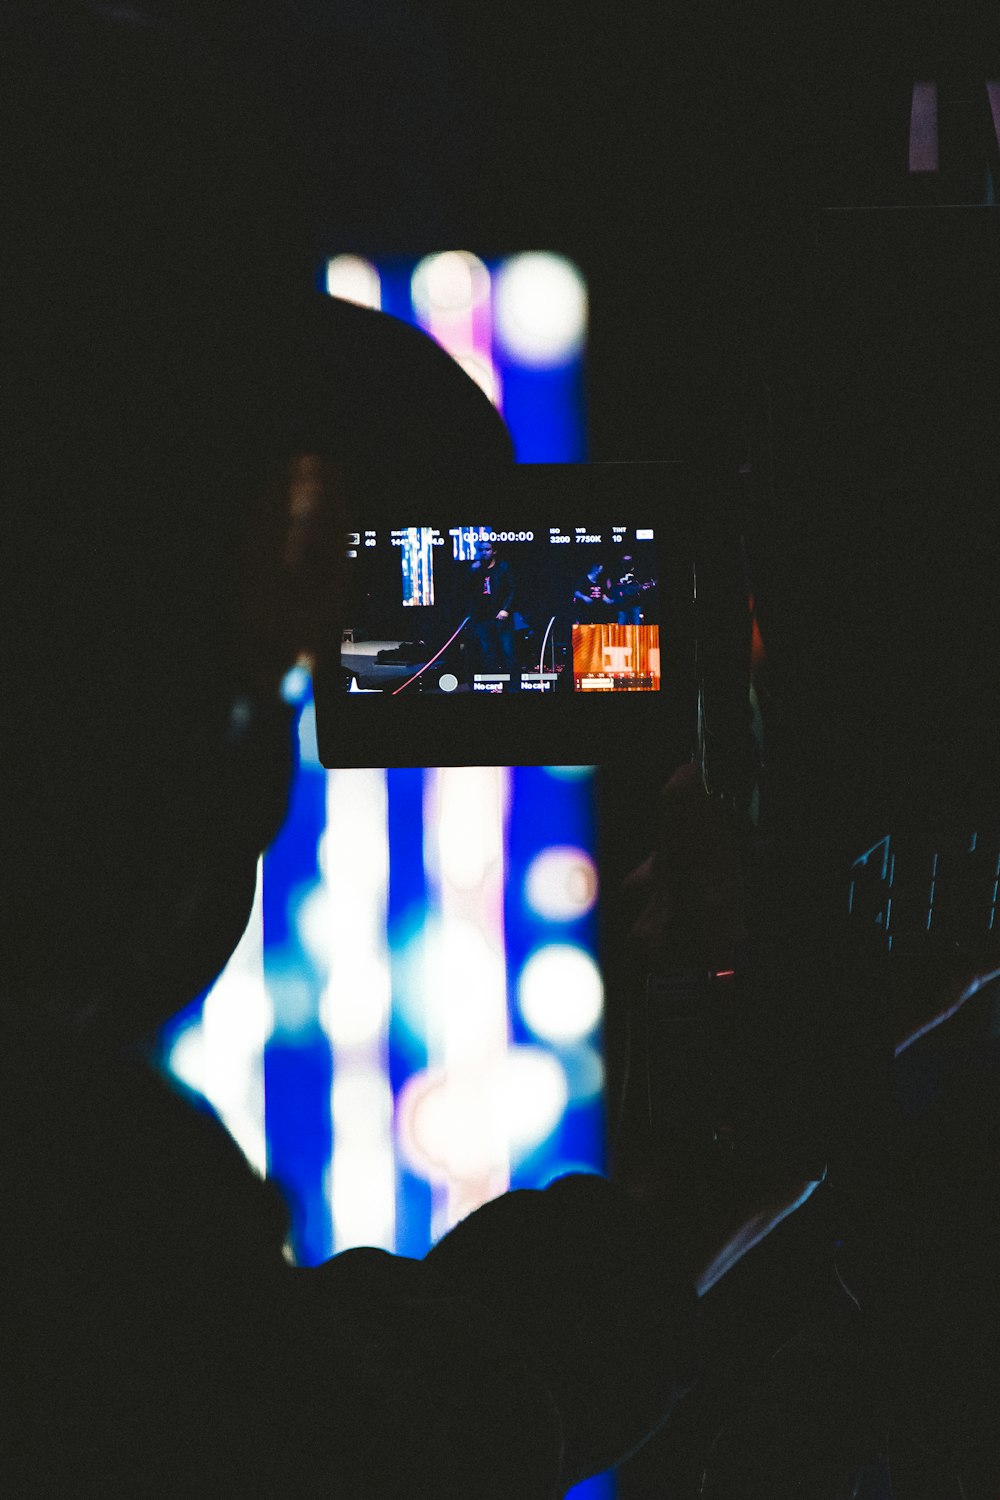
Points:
[502,536]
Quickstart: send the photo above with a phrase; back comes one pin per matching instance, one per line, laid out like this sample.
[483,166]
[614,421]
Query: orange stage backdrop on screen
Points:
[626,657]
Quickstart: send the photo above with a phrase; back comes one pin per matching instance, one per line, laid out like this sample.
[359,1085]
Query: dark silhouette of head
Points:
[167,367]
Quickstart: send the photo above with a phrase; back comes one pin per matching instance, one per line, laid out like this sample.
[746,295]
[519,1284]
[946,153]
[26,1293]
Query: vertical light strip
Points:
[354,1010]
[924,128]
[451,295]
[468,1031]
[993,94]
[221,1055]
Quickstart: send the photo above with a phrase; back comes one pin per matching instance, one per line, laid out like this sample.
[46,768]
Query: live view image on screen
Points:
[482,609]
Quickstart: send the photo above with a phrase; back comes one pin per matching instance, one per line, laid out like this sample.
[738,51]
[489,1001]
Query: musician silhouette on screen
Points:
[592,599]
[628,592]
[490,599]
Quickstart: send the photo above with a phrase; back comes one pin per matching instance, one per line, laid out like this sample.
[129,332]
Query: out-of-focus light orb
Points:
[360,1189]
[534,1095]
[295,685]
[584,1070]
[540,308]
[354,817]
[448,1125]
[308,743]
[464,978]
[355,280]
[469,827]
[560,993]
[461,1123]
[292,998]
[362,1102]
[450,283]
[313,925]
[561,883]
[354,1010]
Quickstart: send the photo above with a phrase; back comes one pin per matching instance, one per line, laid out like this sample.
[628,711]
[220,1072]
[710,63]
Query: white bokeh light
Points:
[360,1188]
[469,846]
[295,685]
[361,1103]
[534,1095]
[345,926]
[584,1069]
[355,280]
[313,924]
[452,1124]
[356,1012]
[560,993]
[540,303]
[221,1055]
[452,282]
[561,883]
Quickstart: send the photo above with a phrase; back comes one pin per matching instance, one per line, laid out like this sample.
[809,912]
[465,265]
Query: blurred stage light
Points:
[525,350]
[296,686]
[466,1024]
[450,296]
[560,993]
[362,1103]
[477,1106]
[453,1125]
[221,1055]
[451,1130]
[584,1070]
[292,998]
[355,1012]
[355,280]
[470,821]
[561,883]
[540,303]
[534,1095]
[354,849]
[354,1008]
[449,284]
[313,925]
[361,1192]
[465,965]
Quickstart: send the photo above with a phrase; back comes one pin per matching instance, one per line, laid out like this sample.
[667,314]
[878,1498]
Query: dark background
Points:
[677,153]
[681,156]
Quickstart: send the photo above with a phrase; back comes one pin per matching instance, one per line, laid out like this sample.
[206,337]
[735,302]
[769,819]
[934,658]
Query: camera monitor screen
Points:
[561,586]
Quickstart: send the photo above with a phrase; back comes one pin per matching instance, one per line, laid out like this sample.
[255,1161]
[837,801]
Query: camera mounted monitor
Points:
[543,615]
